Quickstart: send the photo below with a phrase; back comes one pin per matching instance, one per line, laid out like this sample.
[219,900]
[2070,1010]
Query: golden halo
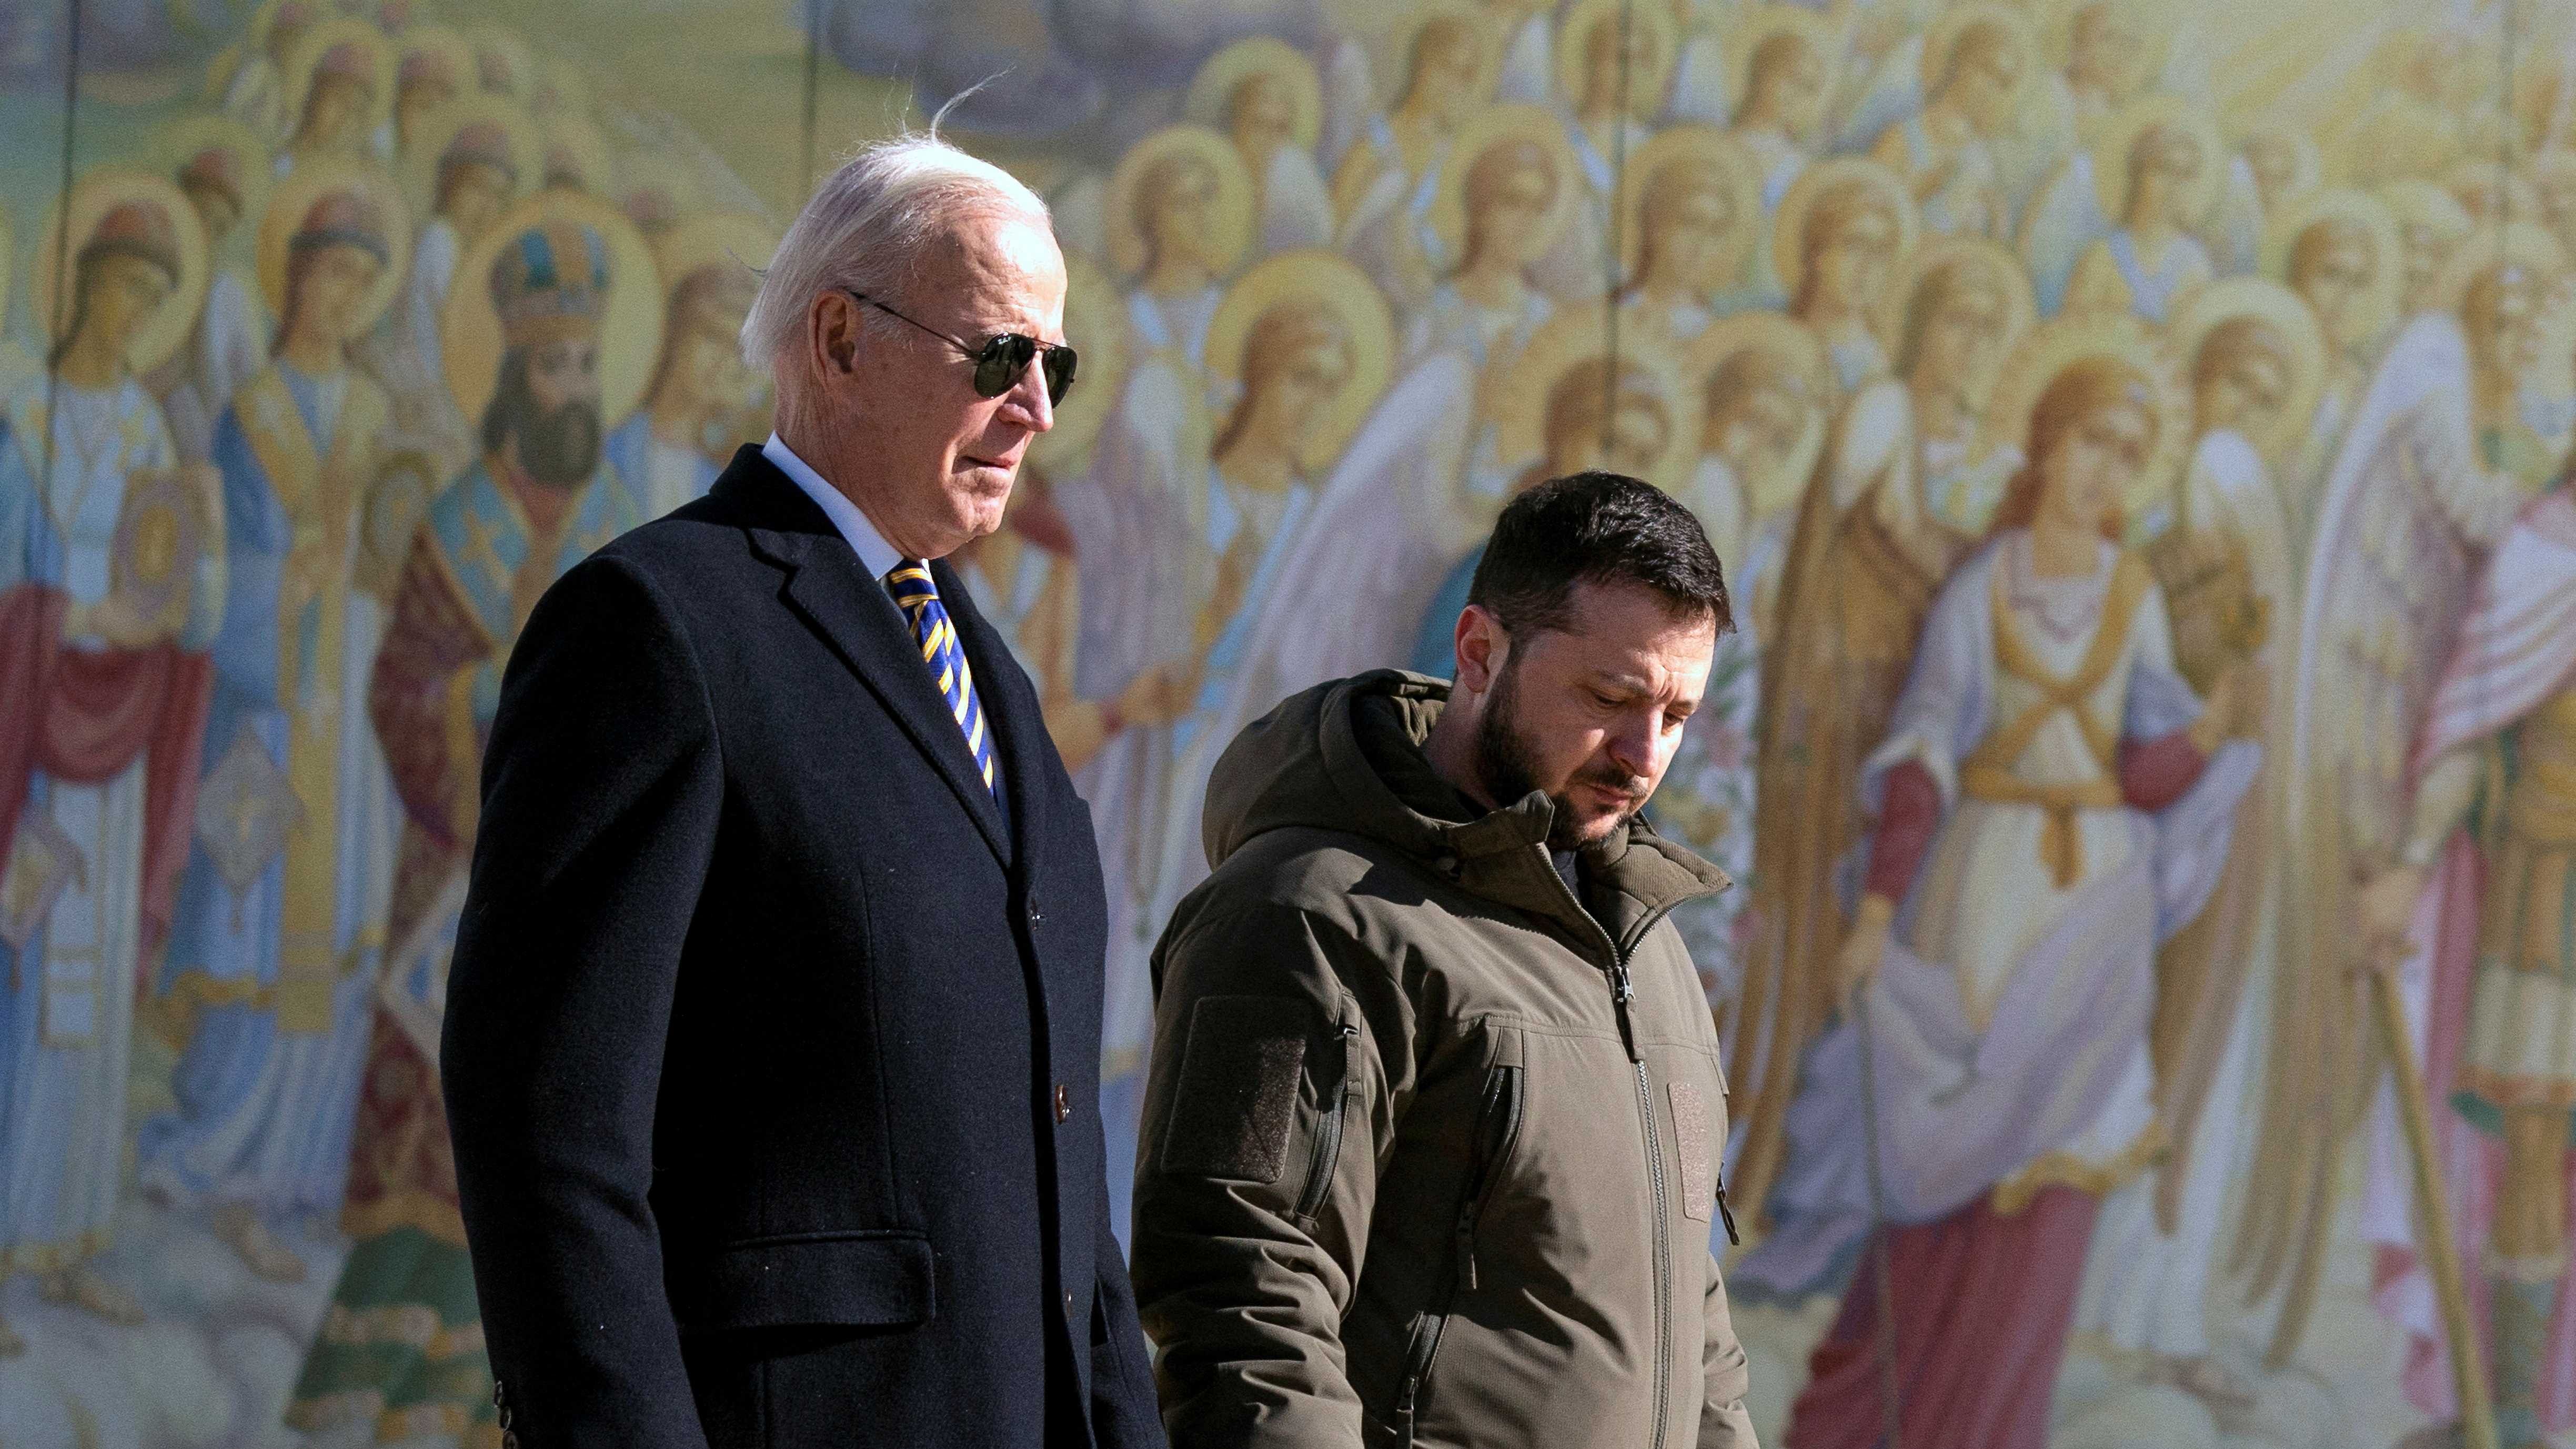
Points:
[2021,309]
[254,165]
[1756,28]
[2523,243]
[2057,34]
[263,22]
[1574,39]
[439,131]
[296,195]
[1408,31]
[647,173]
[2482,174]
[630,335]
[1231,226]
[1775,333]
[2111,151]
[1325,279]
[1095,322]
[2051,348]
[318,42]
[1212,90]
[2414,201]
[2375,309]
[1739,174]
[1488,128]
[2278,306]
[517,63]
[725,238]
[97,194]
[1515,398]
[445,42]
[2307,163]
[1789,227]
[573,139]
[1943,38]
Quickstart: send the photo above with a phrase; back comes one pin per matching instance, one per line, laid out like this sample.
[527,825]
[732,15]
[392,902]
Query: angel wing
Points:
[1894,95]
[1139,504]
[1350,98]
[2235,228]
[2408,506]
[1351,589]
[2064,219]
[1699,84]
[1296,211]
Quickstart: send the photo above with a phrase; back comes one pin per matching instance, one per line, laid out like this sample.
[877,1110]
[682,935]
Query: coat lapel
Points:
[830,590]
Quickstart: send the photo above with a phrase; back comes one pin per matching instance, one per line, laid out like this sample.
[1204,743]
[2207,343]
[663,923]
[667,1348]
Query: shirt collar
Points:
[875,554]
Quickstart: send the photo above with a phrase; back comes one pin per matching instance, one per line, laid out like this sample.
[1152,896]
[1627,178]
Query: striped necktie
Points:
[918,594]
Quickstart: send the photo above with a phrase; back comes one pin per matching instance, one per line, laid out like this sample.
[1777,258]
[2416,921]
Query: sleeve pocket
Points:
[862,1279]
[1235,1103]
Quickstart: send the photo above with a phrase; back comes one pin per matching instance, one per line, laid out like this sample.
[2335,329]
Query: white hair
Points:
[866,226]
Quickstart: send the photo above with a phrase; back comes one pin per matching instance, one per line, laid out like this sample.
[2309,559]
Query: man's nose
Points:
[1632,744]
[1029,396]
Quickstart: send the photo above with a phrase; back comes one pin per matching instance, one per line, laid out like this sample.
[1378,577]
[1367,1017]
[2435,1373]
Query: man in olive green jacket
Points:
[1433,1129]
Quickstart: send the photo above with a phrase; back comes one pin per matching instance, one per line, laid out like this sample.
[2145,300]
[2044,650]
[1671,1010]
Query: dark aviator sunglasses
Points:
[1004,357]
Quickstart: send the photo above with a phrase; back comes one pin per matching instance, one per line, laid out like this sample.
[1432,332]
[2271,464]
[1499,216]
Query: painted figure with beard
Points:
[1693,211]
[274,952]
[1614,62]
[1265,96]
[1180,218]
[2222,551]
[2163,185]
[538,501]
[1387,181]
[343,91]
[2338,251]
[2052,802]
[1901,497]
[223,169]
[1762,427]
[1976,62]
[693,415]
[1502,205]
[110,587]
[1843,235]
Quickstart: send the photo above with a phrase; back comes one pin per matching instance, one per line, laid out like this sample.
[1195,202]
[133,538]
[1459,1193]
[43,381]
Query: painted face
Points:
[1180,208]
[1757,431]
[2275,164]
[2104,50]
[1690,238]
[705,369]
[1852,258]
[1263,118]
[2335,270]
[1795,89]
[1591,714]
[1605,54]
[474,197]
[2243,391]
[124,293]
[1296,393]
[2167,176]
[332,113]
[2086,476]
[2428,253]
[1445,72]
[335,286]
[1989,80]
[215,209]
[1512,210]
[416,100]
[1963,337]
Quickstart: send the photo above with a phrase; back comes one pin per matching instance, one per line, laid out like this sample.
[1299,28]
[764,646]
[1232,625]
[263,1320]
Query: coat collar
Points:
[830,590]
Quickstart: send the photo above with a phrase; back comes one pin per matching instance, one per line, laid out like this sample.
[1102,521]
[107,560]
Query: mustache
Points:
[1611,777]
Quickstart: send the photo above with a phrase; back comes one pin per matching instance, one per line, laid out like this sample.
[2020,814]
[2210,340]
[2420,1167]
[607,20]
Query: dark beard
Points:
[560,449]
[1508,768]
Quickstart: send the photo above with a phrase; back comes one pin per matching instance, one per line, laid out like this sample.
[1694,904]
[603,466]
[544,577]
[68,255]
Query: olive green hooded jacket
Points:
[1430,1150]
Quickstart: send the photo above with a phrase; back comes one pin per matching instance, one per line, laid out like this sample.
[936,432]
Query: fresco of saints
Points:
[566,292]
[2052,802]
[671,450]
[1614,63]
[1843,236]
[270,939]
[2224,558]
[1265,96]
[249,78]
[2338,250]
[1975,65]
[2431,227]
[475,158]
[341,91]
[1302,344]
[108,596]
[2411,123]
[1388,179]
[1901,496]
[2273,169]
[2169,168]
[1180,219]
[1504,201]
[1692,213]
[1787,74]
[223,169]
[2114,50]
[1762,427]
[432,67]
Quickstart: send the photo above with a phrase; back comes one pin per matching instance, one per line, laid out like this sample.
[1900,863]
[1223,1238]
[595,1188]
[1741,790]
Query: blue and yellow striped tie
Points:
[918,594]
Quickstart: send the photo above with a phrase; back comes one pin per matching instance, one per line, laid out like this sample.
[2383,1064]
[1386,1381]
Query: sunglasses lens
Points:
[1059,373]
[999,365]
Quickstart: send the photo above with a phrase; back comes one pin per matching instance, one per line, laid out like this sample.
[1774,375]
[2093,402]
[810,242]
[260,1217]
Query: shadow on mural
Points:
[2290,283]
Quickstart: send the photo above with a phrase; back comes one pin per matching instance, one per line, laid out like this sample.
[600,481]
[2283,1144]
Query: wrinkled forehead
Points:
[995,269]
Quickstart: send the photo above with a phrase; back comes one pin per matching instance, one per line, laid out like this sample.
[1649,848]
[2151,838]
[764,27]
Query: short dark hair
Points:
[1598,528]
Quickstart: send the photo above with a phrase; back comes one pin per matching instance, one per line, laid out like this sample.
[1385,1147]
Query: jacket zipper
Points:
[1499,1127]
[1328,1133]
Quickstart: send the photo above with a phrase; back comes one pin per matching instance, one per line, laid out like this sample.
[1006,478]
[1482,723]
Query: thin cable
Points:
[65,305]
[813,80]
[1618,231]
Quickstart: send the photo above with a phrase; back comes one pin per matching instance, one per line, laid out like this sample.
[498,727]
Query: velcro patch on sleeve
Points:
[1690,1132]
[1236,1101]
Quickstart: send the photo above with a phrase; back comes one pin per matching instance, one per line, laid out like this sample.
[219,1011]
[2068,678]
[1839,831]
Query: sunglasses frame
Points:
[994,357]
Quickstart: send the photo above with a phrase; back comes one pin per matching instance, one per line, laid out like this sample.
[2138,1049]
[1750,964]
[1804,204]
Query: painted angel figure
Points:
[1386,183]
[1762,424]
[2052,803]
[2427,486]
[224,173]
[1500,207]
[2272,168]
[1267,99]
[1693,213]
[1616,63]
[1785,81]
[2152,257]
[1901,497]
[2431,228]
[1977,63]
[1180,217]
[2338,251]
[1842,236]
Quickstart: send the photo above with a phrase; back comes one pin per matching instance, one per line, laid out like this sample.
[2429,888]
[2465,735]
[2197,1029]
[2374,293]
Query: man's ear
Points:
[832,330]
[1482,648]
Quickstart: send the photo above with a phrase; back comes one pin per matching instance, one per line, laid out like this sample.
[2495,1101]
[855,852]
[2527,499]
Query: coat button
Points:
[509,1439]
[1063,1104]
[1068,1303]
[500,1393]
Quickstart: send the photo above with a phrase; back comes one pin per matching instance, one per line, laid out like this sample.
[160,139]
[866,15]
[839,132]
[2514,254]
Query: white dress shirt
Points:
[877,555]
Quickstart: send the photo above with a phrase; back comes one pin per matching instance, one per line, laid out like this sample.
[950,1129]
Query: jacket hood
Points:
[1347,756]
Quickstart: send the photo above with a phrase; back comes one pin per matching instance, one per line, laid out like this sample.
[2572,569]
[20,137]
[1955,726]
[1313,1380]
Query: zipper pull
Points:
[1732,1237]
[1622,989]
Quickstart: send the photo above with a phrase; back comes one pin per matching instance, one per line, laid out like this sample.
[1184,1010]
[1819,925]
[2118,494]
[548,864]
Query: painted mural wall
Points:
[2263,313]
